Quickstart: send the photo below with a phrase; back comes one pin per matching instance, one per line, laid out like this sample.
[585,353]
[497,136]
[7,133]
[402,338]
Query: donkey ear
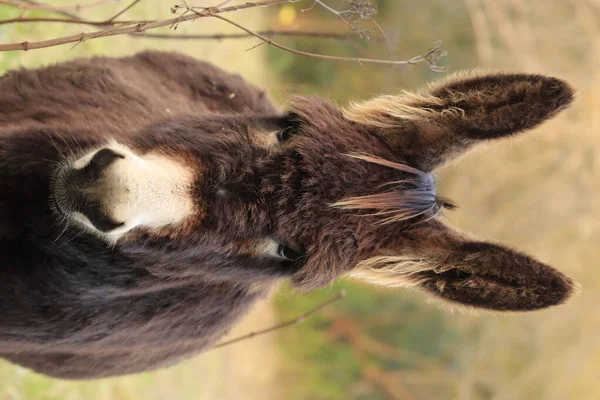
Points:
[471,273]
[444,120]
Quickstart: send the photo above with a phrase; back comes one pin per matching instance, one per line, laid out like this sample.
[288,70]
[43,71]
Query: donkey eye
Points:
[284,135]
[288,253]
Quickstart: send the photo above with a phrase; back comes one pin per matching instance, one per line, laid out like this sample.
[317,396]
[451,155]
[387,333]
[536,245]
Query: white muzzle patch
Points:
[150,191]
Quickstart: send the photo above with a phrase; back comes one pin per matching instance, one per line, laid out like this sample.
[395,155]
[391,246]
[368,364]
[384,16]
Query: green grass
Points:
[326,365]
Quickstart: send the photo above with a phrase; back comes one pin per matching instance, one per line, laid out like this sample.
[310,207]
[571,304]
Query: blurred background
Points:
[538,193]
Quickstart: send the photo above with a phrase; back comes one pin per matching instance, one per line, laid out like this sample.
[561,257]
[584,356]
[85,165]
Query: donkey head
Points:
[318,192]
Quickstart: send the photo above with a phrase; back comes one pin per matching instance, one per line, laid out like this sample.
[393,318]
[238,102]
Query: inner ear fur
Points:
[472,273]
[447,117]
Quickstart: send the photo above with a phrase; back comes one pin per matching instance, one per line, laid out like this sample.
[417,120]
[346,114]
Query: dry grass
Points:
[228,373]
[540,194]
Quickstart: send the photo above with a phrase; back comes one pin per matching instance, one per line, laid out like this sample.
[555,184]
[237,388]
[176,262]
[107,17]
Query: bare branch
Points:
[385,39]
[137,27]
[430,58]
[272,32]
[216,36]
[123,11]
[186,7]
[358,11]
[282,325]
[67,21]
[26,5]
[72,18]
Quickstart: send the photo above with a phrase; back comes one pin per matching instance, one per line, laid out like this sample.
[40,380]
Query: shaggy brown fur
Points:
[308,194]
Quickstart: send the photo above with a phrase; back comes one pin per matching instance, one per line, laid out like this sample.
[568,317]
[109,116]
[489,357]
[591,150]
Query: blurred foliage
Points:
[411,28]
[345,351]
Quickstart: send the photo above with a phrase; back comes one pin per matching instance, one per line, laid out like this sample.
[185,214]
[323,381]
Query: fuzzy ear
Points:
[471,273]
[448,117]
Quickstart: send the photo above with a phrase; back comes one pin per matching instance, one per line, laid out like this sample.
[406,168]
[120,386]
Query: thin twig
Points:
[135,28]
[414,60]
[282,325]
[222,36]
[186,7]
[123,11]
[385,39]
[360,10]
[43,7]
[190,14]
[67,21]
[73,18]
[216,36]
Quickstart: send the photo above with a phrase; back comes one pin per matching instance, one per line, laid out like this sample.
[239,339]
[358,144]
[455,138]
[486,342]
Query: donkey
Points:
[147,202]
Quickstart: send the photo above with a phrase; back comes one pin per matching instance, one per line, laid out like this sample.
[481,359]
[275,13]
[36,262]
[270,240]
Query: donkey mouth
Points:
[63,200]
[55,205]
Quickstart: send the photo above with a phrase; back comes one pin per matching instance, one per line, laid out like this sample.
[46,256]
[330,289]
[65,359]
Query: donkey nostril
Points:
[94,168]
[102,159]
[104,224]
[98,218]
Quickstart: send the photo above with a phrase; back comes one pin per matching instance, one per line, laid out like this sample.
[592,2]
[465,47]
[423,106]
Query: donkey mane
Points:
[403,200]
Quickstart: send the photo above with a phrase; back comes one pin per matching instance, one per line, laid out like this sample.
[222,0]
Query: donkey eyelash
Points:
[285,134]
[288,253]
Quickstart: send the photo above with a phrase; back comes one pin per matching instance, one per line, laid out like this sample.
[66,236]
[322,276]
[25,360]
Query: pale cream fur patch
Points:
[391,271]
[254,247]
[262,138]
[389,110]
[150,191]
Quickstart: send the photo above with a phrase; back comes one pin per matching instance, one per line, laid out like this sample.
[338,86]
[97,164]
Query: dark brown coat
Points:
[257,195]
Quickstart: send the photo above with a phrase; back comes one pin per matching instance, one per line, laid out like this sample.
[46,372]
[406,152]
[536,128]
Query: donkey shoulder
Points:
[207,83]
[141,86]
[68,92]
